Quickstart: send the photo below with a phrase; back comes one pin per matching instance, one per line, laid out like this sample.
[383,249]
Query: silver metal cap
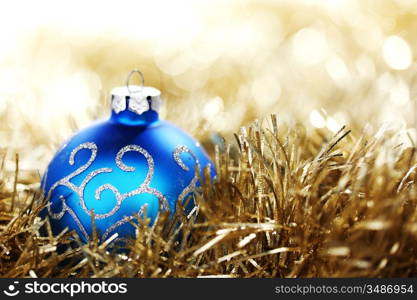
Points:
[137,99]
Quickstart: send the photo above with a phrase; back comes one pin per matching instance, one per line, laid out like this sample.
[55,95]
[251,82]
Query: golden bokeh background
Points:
[219,65]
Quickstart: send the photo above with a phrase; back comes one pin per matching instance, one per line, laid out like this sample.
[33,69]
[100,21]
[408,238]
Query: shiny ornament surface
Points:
[116,167]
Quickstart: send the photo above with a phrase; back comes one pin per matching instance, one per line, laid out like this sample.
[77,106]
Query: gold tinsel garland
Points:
[287,202]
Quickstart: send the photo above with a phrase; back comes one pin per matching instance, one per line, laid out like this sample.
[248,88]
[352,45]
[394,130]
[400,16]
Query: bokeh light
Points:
[219,64]
[397,53]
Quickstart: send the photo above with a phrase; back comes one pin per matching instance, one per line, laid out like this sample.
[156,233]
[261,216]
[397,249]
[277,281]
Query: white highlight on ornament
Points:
[397,53]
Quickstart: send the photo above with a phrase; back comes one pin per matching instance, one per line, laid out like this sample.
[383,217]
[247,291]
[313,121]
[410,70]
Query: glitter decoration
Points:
[118,104]
[121,222]
[113,168]
[77,221]
[79,190]
[222,65]
[119,199]
[65,208]
[144,187]
[177,157]
[149,161]
[138,105]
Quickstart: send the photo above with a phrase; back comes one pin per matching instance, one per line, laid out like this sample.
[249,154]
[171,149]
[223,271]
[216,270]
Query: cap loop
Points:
[130,76]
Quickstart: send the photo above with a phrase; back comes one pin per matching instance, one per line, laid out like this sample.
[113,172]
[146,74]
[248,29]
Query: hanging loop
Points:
[130,76]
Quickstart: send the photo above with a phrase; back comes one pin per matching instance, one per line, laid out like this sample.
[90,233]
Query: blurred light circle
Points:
[367,33]
[400,94]
[212,108]
[385,82]
[337,70]
[365,66]
[173,64]
[317,119]
[266,91]
[397,53]
[192,79]
[333,125]
[309,46]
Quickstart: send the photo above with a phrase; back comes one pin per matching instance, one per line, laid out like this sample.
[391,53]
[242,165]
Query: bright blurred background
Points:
[219,64]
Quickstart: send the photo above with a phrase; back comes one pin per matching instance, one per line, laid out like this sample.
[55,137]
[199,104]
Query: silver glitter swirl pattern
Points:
[66,182]
[148,157]
[121,222]
[119,200]
[177,157]
[79,190]
[144,187]
[77,221]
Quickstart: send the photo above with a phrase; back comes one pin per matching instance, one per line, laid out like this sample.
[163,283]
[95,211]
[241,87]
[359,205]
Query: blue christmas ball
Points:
[114,168]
